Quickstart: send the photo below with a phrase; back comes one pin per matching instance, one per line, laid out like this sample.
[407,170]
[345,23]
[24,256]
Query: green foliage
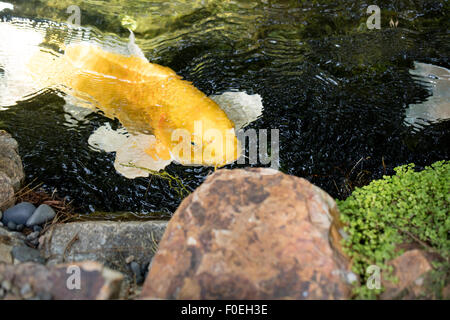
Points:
[409,207]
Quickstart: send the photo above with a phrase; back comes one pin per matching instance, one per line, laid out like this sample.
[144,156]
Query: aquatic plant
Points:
[177,185]
[408,207]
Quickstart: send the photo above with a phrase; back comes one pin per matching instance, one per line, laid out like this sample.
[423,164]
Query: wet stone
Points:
[19,214]
[42,214]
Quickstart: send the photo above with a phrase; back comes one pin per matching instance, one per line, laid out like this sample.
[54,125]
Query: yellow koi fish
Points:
[147,98]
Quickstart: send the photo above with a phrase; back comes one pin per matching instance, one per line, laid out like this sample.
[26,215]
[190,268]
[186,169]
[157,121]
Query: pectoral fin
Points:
[158,151]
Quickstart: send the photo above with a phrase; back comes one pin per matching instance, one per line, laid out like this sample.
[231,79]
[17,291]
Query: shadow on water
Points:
[336,91]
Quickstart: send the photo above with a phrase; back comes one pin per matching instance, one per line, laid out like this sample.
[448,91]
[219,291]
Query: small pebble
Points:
[42,214]
[32,236]
[44,296]
[129,259]
[137,272]
[25,291]
[12,226]
[351,277]
[37,228]
[1,224]
[20,227]
[6,284]
[144,267]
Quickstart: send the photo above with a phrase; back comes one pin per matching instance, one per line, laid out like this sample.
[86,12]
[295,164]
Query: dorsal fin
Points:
[133,48]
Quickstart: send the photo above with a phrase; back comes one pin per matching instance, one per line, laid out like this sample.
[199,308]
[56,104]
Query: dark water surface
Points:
[336,91]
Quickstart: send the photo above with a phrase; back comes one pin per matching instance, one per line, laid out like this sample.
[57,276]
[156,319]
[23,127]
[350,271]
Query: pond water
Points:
[338,92]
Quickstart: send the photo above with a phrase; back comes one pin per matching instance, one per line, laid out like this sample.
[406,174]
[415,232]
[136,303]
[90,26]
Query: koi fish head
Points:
[206,139]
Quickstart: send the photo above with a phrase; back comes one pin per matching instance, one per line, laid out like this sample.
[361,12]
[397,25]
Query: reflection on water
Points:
[336,91]
[437,106]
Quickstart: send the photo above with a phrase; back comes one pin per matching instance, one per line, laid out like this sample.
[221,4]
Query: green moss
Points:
[409,207]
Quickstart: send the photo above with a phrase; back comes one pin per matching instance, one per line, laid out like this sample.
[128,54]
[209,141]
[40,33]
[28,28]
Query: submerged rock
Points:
[107,242]
[251,234]
[42,214]
[19,214]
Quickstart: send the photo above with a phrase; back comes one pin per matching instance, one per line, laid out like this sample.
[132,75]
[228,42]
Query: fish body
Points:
[147,98]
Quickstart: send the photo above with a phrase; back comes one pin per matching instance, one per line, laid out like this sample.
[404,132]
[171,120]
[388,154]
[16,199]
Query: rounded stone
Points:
[11,226]
[248,235]
[19,214]
[20,227]
[137,272]
[32,236]
[42,214]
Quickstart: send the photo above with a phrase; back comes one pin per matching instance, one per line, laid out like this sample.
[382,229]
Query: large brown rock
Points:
[251,234]
[35,281]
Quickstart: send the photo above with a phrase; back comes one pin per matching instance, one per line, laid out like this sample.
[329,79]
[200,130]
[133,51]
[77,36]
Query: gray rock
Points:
[19,214]
[37,228]
[42,214]
[107,242]
[11,237]
[20,227]
[26,254]
[1,224]
[8,240]
[32,236]
[11,226]
[26,291]
[136,269]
